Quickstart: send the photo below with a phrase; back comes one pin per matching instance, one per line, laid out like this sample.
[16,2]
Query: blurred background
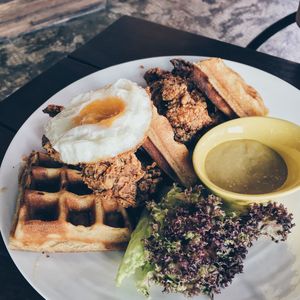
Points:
[35,34]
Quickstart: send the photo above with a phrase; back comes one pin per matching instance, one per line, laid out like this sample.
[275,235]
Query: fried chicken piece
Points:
[117,177]
[52,110]
[121,179]
[184,107]
[50,150]
[188,116]
[185,69]
[148,186]
[155,74]
[182,68]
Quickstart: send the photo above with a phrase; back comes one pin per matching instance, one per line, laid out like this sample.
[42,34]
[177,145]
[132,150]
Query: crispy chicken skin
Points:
[50,150]
[149,184]
[52,110]
[184,106]
[116,177]
[123,179]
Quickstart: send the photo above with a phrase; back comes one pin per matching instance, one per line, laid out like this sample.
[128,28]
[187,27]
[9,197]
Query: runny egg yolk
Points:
[102,112]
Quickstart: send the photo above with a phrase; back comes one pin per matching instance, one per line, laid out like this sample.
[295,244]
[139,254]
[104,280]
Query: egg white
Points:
[95,142]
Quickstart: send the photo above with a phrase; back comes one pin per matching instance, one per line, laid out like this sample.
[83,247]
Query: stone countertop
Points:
[237,22]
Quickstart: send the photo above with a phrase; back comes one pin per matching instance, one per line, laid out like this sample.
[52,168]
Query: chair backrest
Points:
[298,16]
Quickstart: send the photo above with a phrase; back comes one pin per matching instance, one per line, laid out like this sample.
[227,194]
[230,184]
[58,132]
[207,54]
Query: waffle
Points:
[227,89]
[170,155]
[57,212]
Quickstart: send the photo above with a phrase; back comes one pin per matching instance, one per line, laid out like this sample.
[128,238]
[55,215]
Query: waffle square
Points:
[57,212]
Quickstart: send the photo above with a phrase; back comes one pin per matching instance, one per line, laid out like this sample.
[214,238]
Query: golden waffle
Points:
[171,156]
[56,211]
[227,89]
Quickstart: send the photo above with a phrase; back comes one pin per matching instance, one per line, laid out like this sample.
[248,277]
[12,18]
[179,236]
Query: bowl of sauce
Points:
[253,159]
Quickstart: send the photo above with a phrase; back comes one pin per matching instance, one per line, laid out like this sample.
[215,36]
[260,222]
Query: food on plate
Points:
[115,178]
[105,153]
[56,211]
[52,110]
[175,162]
[180,102]
[188,243]
[151,184]
[246,166]
[224,87]
[73,197]
[101,124]
[192,98]
[101,130]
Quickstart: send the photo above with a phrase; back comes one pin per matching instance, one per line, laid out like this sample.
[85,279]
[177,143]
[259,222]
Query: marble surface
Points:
[233,21]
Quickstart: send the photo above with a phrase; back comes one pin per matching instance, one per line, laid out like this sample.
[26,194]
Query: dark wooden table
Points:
[125,40]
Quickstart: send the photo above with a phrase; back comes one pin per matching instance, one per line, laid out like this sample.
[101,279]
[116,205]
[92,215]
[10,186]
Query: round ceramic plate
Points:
[271,270]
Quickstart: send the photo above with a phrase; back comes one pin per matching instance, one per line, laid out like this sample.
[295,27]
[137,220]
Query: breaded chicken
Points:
[122,178]
[52,110]
[149,184]
[184,106]
[117,177]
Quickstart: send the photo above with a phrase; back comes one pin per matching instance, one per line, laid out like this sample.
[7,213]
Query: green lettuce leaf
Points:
[135,260]
[143,277]
[135,256]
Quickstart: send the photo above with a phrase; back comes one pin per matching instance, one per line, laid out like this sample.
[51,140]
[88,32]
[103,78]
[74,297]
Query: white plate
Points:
[271,270]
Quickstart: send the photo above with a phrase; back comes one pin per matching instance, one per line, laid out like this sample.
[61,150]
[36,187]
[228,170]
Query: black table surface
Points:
[126,39]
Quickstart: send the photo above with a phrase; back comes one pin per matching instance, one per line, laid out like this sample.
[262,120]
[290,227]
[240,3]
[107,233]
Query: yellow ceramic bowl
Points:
[280,135]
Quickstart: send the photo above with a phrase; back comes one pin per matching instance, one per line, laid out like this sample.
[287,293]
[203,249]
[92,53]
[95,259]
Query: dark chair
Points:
[274,28]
